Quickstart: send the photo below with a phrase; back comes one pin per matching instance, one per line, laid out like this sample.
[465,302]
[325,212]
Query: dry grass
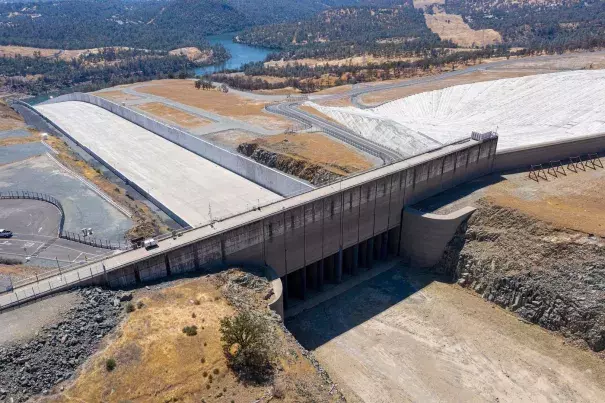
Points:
[230,138]
[424,3]
[354,61]
[320,149]
[453,27]
[313,111]
[12,51]
[279,91]
[21,271]
[193,54]
[9,119]
[474,77]
[9,141]
[156,361]
[177,116]
[116,96]
[184,92]
[574,201]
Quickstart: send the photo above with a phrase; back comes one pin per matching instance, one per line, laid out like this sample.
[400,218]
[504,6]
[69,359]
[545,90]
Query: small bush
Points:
[210,378]
[140,304]
[130,307]
[197,301]
[207,386]
[193,315]
[216,371]
[252,336]
[203,360]
[205,374]
[190,330]
[110,364]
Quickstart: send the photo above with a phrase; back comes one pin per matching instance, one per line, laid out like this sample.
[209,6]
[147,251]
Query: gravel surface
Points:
[55,351]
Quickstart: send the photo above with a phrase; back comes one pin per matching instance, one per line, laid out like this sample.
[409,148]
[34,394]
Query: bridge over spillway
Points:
[306,239]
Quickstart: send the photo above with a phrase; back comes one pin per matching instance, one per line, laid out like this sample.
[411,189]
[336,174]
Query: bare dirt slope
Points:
[184,91]
[453,27]
[9,119]
[404,337]
[173,115]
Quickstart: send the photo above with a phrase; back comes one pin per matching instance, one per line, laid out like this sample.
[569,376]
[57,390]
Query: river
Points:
[240,54]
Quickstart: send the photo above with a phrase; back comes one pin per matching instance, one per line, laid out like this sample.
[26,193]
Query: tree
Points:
[248,343]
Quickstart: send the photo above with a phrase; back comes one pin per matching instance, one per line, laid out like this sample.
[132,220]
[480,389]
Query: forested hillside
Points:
[551,25]
[163,24]
[344,32]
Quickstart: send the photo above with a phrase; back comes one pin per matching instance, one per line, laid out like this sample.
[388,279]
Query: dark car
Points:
[4,233]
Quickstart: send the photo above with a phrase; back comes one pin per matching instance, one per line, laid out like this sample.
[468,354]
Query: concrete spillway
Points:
[190,187]
[525,111]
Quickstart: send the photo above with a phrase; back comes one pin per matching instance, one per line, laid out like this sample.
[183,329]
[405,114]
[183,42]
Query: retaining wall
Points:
[269,178]
[425,235]
[294,233]
[522,158]
[335,219]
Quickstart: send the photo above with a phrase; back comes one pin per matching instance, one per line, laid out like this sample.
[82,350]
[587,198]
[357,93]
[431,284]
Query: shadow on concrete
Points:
[459,192]
[328,320]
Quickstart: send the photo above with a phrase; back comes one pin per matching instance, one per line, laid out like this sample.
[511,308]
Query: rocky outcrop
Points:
[549,276]
[52,356]
[313,173]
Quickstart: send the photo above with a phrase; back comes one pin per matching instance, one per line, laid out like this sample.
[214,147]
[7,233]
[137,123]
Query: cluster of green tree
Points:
[310,79]
[346,32]
[86,74]
[553,27]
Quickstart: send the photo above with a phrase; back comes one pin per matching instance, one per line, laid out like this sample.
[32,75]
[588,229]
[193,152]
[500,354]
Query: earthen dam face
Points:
[527,111]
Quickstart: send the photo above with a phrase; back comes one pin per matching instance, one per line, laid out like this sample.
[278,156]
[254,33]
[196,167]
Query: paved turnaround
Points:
[194,189]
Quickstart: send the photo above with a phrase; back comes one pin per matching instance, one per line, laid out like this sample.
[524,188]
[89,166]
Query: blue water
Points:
[240,54]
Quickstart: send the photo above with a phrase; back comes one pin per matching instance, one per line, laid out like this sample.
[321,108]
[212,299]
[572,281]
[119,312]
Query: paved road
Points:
[290,110]
[221,122]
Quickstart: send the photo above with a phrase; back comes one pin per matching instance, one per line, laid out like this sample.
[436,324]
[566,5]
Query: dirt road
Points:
[405,337]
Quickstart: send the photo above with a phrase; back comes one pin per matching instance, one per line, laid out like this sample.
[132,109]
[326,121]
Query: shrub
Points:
[130,307]
[190,330]
[10,262]
[216,371]
[110,364]
[203,360]
[140,304]
[205,374]
[193,315]
[247,341]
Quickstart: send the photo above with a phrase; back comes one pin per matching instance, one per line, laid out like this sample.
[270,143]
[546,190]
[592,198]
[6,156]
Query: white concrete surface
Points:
[183,182]
[525,111]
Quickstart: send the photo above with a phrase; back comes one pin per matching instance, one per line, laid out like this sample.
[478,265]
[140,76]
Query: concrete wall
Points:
[269,178]
[425,235]
[522,158]
[34,118]
[299,236]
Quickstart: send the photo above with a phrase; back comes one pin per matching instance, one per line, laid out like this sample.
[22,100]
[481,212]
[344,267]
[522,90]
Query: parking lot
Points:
[35,226]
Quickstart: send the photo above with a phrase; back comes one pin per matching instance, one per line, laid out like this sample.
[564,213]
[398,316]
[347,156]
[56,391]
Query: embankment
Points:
[547,275]
[303,169]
